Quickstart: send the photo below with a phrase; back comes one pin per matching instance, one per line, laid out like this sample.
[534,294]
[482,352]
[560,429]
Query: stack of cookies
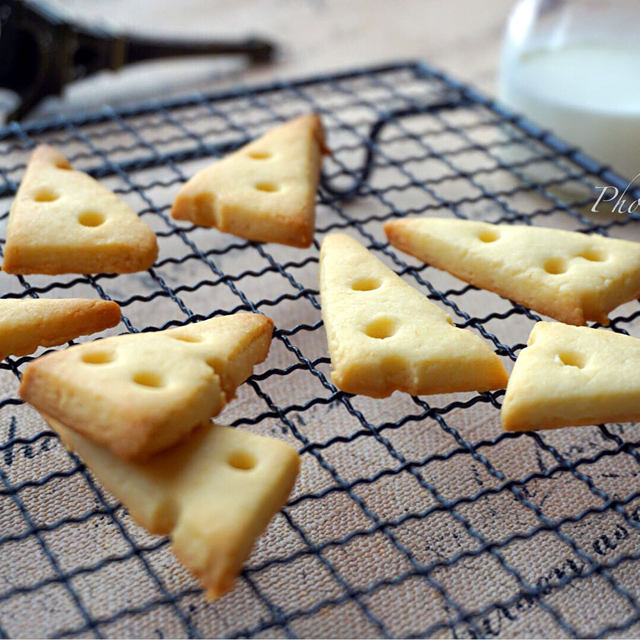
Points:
[137,408]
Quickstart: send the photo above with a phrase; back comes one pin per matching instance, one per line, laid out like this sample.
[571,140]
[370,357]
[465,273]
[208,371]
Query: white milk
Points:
[588,95]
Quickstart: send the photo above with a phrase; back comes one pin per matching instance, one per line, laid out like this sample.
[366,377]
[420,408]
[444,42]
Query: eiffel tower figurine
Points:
[41,51]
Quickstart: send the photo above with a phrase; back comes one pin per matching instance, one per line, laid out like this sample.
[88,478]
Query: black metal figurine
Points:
[41,51]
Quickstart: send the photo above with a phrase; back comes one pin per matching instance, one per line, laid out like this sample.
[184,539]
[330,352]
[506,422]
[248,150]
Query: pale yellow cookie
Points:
[64,221]
[569,276]
[214,494]
[571,376]
[265,191]
[385,336]
[140,393]
[28,324]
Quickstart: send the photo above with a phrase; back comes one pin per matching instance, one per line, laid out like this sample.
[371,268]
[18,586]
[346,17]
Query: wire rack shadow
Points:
[412,516]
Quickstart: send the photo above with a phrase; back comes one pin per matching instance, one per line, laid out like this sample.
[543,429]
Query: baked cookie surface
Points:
[28,324]
[265,191]
[138,394]
[569,276]
[64,221]
[572,376]
[214,493]
[384,335]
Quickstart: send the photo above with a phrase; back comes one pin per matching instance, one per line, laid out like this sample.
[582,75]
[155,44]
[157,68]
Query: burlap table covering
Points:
[369,544]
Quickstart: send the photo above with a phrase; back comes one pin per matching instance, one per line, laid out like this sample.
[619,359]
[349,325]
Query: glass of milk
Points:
[573,66]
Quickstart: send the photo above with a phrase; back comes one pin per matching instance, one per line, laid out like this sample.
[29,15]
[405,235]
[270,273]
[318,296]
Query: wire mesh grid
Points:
[412,516]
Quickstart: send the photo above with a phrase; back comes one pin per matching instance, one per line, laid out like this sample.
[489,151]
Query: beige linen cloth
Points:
[410,516]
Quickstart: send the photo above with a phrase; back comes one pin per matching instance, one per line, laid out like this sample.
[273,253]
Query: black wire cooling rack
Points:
[412,516]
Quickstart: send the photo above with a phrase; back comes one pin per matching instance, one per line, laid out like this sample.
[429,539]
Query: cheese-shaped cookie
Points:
[571,376]
[569,276]
[385,336]
[265,191]
[28,324]
[64,221]
[213,494]
[140,393]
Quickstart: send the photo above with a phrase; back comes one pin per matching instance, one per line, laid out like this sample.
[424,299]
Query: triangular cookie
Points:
[140,393]
[573,376]
[213,494]
[64,221]
[386,336]
[569,276]
[265,191]
[28,324]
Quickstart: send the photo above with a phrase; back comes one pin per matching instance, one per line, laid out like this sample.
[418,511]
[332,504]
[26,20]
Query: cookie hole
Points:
[555,266]
[381,328]
[489,236]
[98,357]
[267,187]
[242,460]
[593,255]
[259,155]
[46,195]
[187,338]
[148,379]
[571,359]
[366,284]
[90,219]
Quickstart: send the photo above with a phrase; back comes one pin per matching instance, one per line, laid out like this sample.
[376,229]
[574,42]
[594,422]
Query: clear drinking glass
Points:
[573,66]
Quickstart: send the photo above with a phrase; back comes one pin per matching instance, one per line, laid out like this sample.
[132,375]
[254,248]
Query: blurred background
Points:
[462,37]
[571,66]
